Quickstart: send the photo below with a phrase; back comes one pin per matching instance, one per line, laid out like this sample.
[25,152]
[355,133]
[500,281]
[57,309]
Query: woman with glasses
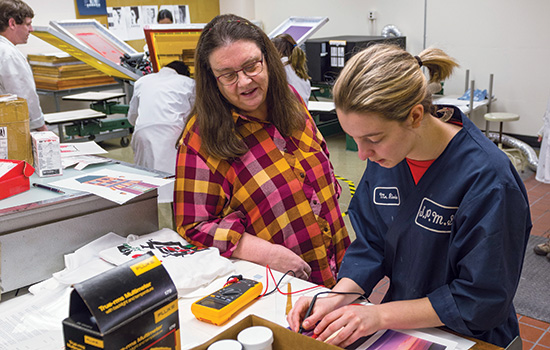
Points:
[253,176]
[440,211]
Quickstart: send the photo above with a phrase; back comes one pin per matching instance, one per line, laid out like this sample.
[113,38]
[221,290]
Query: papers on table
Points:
[116,186]
[81,154]
[407,340]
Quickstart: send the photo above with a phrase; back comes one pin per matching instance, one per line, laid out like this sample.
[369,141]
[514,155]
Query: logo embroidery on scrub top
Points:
[435,217]
[386,196]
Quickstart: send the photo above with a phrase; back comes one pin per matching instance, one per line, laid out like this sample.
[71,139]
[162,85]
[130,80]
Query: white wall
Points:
[504,37]
[44,12]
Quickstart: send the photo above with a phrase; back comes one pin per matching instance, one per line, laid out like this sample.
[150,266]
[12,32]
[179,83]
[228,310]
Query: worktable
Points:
[56,94]
[463,105]
[53,306]
[40,226]
[62,118]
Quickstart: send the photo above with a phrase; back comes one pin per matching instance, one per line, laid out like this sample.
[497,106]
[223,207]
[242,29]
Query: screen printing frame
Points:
[91,33]
[300,28]
[154,32]
[82,52]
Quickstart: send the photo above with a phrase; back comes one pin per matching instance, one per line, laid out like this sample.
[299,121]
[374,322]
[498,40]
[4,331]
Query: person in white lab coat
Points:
[294,61]
[158,110]
[15,73]
[543,168]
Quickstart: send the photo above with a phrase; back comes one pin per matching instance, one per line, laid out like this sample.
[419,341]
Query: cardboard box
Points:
[133,306]
[15,138]
[14,177]
[283,338]
[47,153]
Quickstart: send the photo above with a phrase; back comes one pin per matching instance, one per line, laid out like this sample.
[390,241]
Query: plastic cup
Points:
[226,344]
[256,338]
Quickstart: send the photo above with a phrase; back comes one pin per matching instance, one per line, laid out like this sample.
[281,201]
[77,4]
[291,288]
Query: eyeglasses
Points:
[250,70]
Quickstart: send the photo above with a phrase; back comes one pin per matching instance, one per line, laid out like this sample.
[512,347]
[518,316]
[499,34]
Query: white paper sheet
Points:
[69,149]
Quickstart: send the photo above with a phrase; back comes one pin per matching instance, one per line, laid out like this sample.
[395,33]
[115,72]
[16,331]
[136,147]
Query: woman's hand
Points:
[343,326]
[335,321]
[278,257]
[355,321]
[322,307]
[283,259]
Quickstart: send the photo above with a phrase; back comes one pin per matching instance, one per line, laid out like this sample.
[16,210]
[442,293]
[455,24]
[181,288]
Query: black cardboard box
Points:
[283,338]
[133,306]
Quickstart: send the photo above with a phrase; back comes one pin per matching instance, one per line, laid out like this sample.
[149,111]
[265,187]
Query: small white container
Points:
[226,344]
[256,338]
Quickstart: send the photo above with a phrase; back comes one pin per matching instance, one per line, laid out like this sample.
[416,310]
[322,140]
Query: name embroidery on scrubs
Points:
[435,217]
[386,196]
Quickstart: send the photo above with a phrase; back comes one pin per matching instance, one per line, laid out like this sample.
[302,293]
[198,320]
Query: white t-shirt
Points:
[189,267]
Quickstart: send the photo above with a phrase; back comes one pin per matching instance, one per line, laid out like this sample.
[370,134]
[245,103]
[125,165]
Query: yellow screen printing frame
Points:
[169,42]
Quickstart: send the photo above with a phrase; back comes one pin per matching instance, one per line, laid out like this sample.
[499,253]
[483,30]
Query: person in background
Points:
[158,109]
[440,210]
[543,170]
[543,166]
[15,73]
[165,17]
[294,60]
[253,175]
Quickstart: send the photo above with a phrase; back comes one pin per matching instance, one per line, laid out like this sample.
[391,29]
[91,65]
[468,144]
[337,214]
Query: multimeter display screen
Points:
[212,303]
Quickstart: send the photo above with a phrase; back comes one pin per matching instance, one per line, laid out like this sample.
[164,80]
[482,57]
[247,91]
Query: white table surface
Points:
[23,318]
[70,116]
[321,106]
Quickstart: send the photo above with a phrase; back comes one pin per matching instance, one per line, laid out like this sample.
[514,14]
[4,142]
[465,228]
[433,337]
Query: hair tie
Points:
[293,46]
[419,60]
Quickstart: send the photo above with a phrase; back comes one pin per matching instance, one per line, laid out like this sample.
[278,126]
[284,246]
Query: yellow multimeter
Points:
[219,306]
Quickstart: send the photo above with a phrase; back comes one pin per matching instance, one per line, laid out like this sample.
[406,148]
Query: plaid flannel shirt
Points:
[282,190]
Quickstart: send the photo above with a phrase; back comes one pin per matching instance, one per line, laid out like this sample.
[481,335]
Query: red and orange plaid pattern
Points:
[282,190]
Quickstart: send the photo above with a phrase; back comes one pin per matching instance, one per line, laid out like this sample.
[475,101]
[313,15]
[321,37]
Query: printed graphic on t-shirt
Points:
[166,249]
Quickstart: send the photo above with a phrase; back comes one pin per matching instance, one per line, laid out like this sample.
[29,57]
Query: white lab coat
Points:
[158,110]
[16,78]
[302,86]
[543,168]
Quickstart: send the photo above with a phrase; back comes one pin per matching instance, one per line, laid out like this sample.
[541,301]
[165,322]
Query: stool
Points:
[500,117]
[515,155]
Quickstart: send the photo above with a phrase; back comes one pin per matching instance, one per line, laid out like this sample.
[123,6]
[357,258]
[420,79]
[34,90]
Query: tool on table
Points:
[288,298]
[219,306]
[49,188]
